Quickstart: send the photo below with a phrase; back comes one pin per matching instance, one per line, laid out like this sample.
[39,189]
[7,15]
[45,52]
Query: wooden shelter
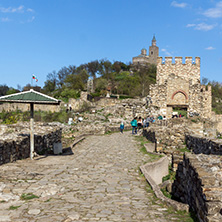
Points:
[32,97]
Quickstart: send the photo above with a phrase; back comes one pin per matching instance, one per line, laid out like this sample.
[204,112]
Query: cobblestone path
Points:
[100,182]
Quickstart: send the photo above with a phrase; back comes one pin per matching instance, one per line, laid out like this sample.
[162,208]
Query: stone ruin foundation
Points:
[199,171]
[15,140]
[199,183]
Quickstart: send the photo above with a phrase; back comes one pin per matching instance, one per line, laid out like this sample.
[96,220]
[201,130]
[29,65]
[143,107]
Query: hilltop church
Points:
[143,58]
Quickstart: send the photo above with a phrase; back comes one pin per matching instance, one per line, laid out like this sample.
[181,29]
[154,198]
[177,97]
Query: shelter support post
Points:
[31,130]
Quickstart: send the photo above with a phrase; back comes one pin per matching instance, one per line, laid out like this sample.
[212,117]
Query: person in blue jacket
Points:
[121,127]
[134,125]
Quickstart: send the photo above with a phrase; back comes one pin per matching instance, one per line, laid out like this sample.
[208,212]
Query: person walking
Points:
[140,123]
[134,125]
[121,127]
[148,121]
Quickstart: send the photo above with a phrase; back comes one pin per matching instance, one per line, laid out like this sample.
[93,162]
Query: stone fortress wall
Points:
[178,85]
[189,70]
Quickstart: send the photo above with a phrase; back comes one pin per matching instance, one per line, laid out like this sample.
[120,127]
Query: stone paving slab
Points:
[99,182]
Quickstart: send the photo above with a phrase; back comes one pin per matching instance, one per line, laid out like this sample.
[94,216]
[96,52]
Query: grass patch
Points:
[28,196]
[171,176]
[185,149]
[108,132]
[13,207]
[143,150]
[142,141]
[166,193]
[154,157]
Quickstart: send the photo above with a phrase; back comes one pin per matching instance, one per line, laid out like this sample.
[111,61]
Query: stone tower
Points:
[90,86]
[153,52]
[178,86]
[144,59]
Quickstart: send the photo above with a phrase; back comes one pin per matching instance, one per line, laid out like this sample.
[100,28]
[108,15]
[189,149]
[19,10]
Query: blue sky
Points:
[39,36]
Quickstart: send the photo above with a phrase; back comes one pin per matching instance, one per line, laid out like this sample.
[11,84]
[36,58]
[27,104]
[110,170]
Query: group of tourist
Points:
[138,123]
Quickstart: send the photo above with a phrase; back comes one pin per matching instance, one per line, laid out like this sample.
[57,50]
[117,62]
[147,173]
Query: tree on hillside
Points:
[12,91]
[3,90]
[61,76]
[105,68]
[120,66]
[51,83]
[77,80]
[145,74]
[93,68]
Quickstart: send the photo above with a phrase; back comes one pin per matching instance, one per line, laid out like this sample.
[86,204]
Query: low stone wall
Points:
[153,183]
[204,145]
[150,135]
[198,183]
[167,139]
[157,170]
[116,128]
[18,147]
[170,135]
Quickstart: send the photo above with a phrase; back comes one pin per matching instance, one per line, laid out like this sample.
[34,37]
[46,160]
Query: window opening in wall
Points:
[180,110]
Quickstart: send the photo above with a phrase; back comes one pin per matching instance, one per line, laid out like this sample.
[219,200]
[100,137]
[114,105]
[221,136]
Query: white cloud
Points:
[30,10]
[210,48]
[214,12]
[201,26]
[166,52]
[179,5]
[190,25]
[31,19]
[12,10]
[6,19]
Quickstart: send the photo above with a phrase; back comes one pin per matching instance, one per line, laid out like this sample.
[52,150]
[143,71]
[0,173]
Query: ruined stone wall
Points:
[171,134]
[206,101]
[187,71]
[177,90]
[199,145]
[26,107]
[198,183]
[195,102]
[218,120]
[105,102]
[17,146]
[158,95]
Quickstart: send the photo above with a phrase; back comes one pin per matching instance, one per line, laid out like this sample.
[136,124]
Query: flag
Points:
[34,77]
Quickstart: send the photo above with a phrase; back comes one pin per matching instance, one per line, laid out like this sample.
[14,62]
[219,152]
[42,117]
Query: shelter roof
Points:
[30,96]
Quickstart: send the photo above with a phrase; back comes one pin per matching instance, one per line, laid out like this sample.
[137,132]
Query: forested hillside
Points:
[216,94]
[120,78]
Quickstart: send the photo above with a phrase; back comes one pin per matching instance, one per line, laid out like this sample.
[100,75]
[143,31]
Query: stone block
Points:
[57,148]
